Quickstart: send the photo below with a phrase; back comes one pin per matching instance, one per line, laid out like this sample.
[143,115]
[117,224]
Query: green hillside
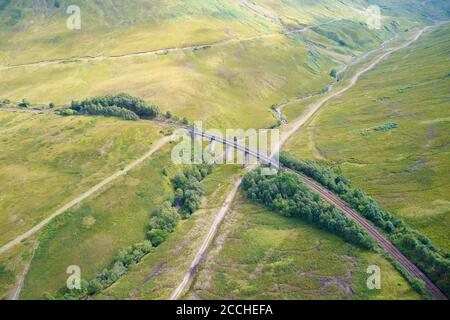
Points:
[402,166]
[224,62]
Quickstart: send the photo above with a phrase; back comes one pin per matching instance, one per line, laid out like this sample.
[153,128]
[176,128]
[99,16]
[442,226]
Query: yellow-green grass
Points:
[230,85]
[48,160]
[160,272]
[92,234]
[37,31]
[259,254]
[405,169]
[119,28]
[227,86]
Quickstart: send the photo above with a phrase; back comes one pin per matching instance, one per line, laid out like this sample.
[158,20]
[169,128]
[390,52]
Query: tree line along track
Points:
[334,200]
[296,125]
[381,240]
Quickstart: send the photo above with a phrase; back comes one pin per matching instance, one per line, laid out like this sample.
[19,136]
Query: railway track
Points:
[328,196]
[324,193]
[382,241]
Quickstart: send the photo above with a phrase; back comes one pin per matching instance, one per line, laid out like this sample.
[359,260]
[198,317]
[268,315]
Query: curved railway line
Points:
[334,200]
[382,241]
[324,193]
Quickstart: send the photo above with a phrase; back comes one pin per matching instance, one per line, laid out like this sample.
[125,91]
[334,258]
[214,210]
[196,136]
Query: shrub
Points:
[433,262]
[106,105]
[286,194]
[333,73]
[188,193]
[112,111]
[157,236]
[24,104]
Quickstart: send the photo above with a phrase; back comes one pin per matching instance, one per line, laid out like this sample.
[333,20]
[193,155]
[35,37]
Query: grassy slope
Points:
[261,255]
[232,85]
[236,83]
[206,83]
[91,234]
[124,27]
[47,160]
[161,271]
[406,168]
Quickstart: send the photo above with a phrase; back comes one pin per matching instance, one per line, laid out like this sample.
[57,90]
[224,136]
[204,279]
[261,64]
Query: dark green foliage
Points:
[333,73]
[418,248]
[112,111]
[188,194]
[157,236]
[24,104]
[120,266]
[189,189]
[330,34]
[416,284]
[122,105]
[426,256]
[286,194]
[4,4]
[162,223]
[14,17]
[385,127]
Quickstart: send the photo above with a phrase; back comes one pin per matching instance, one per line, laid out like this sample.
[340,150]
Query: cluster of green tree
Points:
[333,73]
[188,194]
[188,189]
[417,284]
[161,224]
[120,266]
[111,111]
[110,103]
[417,247]
[286,194]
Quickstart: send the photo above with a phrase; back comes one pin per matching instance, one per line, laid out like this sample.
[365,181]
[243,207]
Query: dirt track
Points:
[156,52]
[158,145]
[293,127]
